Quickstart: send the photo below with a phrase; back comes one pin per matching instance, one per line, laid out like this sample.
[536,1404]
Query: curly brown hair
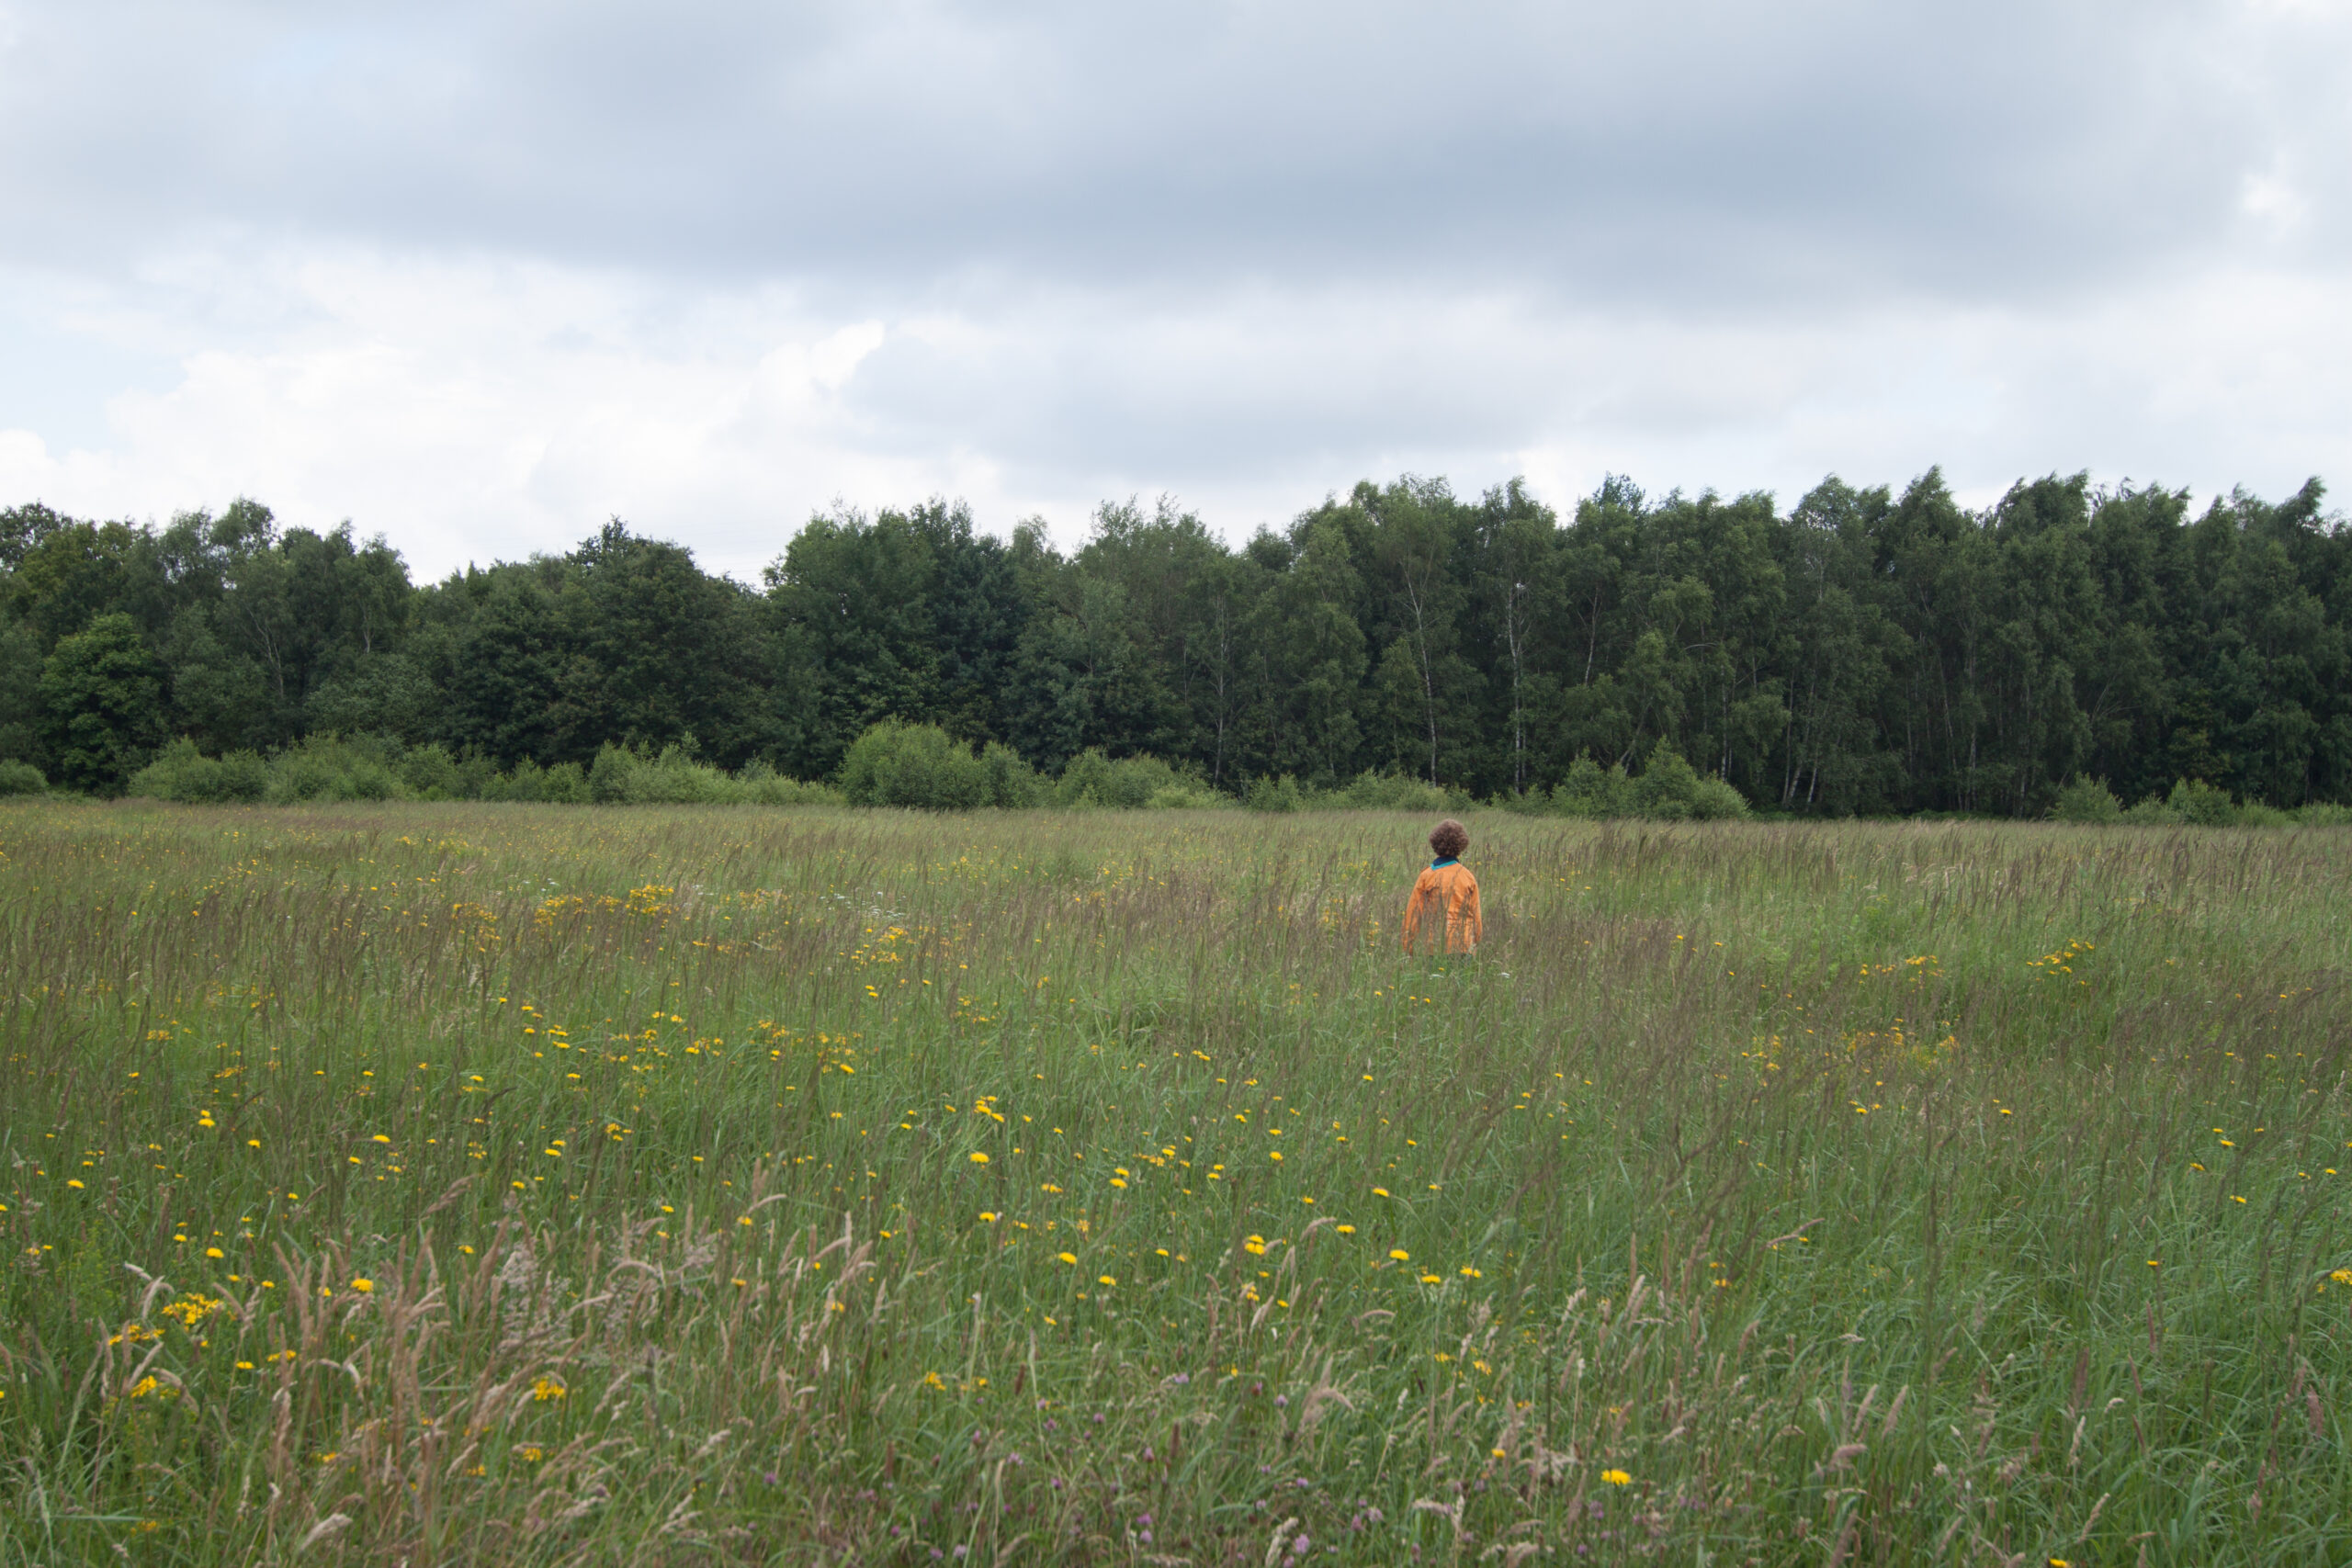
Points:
[1449,839]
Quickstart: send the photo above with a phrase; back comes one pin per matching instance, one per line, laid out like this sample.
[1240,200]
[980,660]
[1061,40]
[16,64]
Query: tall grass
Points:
[414,1183]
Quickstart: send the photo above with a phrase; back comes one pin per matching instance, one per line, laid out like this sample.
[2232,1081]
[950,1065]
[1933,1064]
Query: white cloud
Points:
[480,408]
[479,275]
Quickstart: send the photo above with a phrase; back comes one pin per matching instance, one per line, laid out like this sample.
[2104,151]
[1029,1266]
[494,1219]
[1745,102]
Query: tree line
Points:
[1866,651]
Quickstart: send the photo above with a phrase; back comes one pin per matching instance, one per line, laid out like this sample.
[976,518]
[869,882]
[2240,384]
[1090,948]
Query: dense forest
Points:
[1864,651]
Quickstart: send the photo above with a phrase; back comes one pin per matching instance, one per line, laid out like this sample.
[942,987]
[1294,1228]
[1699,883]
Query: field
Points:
[421,1184]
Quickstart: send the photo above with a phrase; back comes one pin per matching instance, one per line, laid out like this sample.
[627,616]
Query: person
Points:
[1446,888]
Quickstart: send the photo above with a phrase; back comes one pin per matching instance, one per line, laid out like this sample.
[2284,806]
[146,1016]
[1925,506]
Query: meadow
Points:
[421,1183]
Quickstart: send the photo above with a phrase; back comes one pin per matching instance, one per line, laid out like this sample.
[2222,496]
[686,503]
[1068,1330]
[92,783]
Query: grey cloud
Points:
[1708,152]
[480,275]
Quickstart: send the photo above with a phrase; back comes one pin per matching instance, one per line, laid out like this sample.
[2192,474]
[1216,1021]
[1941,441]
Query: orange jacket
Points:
[1446,886]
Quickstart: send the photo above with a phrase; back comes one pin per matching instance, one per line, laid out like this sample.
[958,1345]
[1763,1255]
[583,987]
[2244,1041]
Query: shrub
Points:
[1666,786]
[181,772]
[1091,779]
[2324,813]
[611,775]
[1590,790]
[2201,805]
[914,766]
[1191,796]
[21,778]
[431,773]
[2087,800]
[326,767]
[244,776]
[1712,800]
[566,783]
[1276,794]
[760,784]
[1085,782]
[523,784]
[1370,791]
[1669,789]
[1012,783]
[673,777]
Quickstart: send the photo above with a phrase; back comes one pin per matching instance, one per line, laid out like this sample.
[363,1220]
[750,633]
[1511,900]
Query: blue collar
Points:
[1441,864]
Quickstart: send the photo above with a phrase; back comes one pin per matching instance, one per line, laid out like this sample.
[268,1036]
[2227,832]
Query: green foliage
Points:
[429,772]
[913,766]
[1008,781]
[326,767]
[1869,651]
[920,767]
[1666,787]
[1091,779]
[1668,790]
[2087,800]
[670,777]
[2200,805]
[20,700]
[1590,791]
[1370,791]
[21,778]
[1712,800]
[566,783]
[1276,795]
[101,701]
[181,772]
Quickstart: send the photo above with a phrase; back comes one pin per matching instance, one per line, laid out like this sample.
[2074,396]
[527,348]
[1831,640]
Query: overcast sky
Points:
[478,275]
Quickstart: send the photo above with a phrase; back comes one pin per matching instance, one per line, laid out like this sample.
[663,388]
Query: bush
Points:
[431,773]
[21,778]
[566,783]
[1012,783]
[523,784]
[1712,800]
[2324,813]
[613,775]
[1588,791]
[1666,786]
[673,777]
[760,784]
[181,772]
[914,766]
[2087,800]
[1191,796]
[1668,790]
[1276,794]
[326,767]
[1091,779]
[2201,805]
[1370,791]
[244,776]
